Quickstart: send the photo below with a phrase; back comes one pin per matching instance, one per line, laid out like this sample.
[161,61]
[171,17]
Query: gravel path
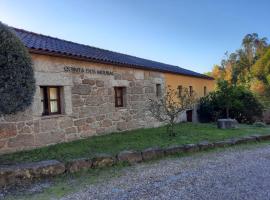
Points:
[230,174]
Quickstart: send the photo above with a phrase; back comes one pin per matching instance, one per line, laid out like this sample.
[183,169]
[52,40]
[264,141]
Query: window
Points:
[205,90]
[180,90]
[158,90]
[50,98]
[119,96]
[190,90]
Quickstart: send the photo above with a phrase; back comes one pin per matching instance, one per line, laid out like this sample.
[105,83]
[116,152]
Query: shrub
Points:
[247,106]
[17,83]
[234,102]
[208,108]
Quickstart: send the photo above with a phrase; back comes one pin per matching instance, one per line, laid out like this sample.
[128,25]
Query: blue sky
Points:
[193,34]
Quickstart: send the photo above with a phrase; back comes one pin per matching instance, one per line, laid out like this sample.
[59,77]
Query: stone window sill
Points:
[120,108]
[52,116]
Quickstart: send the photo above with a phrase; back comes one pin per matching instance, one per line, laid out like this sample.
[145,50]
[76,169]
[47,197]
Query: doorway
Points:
[189,115]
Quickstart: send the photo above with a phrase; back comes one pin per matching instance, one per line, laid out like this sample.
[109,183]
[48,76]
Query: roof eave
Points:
[44,52]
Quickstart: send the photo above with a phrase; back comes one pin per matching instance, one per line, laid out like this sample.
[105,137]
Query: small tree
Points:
[168,107]
[17,83]
[225,92]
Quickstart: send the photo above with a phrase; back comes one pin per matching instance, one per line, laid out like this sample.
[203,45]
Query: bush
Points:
[247,107]
[17,83]
[241,105]
[208,108]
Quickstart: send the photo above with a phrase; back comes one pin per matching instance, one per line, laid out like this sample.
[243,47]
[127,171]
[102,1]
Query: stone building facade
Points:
[87,103]
[82,91]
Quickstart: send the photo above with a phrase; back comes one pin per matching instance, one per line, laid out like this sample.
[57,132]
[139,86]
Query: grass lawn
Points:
[65,184]
[131,140]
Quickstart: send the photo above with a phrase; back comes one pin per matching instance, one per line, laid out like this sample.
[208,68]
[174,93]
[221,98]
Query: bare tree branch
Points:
[170,105]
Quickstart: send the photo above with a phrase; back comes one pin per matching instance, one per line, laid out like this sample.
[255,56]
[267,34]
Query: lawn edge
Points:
[17,173]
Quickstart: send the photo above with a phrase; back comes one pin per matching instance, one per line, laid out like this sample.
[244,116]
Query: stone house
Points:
[82,91]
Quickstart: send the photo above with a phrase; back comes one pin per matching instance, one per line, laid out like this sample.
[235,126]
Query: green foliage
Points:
[249,67]
[261,69]
[208,111]
[247,107]
[17,83]
[132,140]
[208,73]
[225,96]
[236,67]
[261,73]
[230,101]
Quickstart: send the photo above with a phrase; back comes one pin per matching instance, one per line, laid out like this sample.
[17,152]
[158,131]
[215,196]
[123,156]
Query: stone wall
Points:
[266,116]
[88,106]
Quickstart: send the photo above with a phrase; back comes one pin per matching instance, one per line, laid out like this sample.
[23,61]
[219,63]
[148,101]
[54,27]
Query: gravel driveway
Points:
[231,174]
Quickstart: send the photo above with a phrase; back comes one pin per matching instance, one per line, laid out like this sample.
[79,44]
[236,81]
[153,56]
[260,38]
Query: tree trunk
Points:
[170,129]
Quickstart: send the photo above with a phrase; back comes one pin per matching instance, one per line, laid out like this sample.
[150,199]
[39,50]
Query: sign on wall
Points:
[87,70]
